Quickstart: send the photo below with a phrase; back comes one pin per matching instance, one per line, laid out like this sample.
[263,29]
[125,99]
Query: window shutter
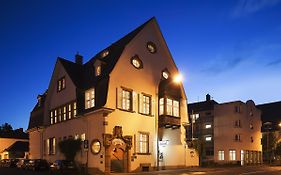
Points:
[140,103]
[118,98]
[134,101]
[152,106]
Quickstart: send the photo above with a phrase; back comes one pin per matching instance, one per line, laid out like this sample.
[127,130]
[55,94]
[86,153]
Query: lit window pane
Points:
[169,107]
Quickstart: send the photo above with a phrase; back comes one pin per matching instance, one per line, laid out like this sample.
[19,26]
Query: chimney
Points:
[208,97]
[78,59]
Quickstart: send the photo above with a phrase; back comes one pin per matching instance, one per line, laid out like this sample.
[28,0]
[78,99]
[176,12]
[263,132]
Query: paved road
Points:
[252,170]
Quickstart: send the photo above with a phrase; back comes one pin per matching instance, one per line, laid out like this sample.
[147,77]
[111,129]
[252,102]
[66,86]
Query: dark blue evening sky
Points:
[230,49]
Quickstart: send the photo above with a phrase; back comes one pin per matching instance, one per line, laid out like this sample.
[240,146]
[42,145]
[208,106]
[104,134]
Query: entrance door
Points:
[117,160]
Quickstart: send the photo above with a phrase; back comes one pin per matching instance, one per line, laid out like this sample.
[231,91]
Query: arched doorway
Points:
[117,151]
[117,156]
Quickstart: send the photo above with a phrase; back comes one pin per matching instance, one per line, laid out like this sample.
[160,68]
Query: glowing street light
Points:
[178,78]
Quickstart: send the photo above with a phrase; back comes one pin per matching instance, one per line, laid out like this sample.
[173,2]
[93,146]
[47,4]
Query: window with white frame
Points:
[143,142]
[221,155]
[232,154]
[69,111]
[126,100]
[64,113]
[52,117]
[61,84]
[59,116]
[176,108]
[74,109]
[83,137]
[169,107]
[90,98]
[146,104]
[55,116]
[161,106]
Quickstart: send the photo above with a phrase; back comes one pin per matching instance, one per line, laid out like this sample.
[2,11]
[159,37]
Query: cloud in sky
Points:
[221,65]
[274,63]
[245,7]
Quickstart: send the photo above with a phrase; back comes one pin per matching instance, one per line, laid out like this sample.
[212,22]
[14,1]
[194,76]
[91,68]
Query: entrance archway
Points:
[117,150]
[117,156]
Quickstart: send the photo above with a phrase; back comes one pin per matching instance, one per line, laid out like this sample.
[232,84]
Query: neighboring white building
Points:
[124,101]
[231,131]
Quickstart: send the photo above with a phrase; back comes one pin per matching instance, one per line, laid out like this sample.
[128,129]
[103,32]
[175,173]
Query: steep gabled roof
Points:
[18,146]
[83,75]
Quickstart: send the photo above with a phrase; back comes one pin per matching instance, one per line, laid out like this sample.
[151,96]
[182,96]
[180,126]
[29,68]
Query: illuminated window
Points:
[61,84]
[98,70]
[55,116]
[151,47]
[169,107]
[136,62]
[59,116]
[146,102]
[52,145]
[172,107]
[207,126]
[69,111]
[76,137]
[176,109]
[74,109]
[208,138]
[83,137]
[90,98]
[143,142]
[232,155]
[165,74]
[104,53]
[221,155]
[126,100]
[64,113]
[161,106]
[194,117]
[52,119]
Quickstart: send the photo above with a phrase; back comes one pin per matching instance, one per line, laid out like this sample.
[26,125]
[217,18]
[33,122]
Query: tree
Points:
[268,145]
[200,148]
[6,128]
[277,151]
[69,148]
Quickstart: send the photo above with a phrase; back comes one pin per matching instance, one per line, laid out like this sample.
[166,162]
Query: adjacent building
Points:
[271,128]
[124,101]
[14,144]
[230,132]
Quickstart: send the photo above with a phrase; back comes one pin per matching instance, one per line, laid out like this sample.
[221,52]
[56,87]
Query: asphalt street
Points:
[248,170]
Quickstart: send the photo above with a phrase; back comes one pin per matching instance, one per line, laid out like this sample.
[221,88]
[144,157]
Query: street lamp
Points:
[178,78]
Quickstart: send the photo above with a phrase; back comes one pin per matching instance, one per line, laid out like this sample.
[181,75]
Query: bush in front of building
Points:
[70,147]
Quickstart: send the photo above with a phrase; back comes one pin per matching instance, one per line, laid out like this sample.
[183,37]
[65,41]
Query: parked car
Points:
[13,163]
[37,164]
[64,166]
[5,163]
[22,163]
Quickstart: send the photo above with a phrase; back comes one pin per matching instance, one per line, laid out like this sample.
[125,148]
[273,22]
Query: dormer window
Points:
[151,47]
[90,98]
[98,70]
[61,84]
[136,62]
[104,53]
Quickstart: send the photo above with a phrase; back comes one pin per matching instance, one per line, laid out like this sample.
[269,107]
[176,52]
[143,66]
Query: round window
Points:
[95,146]
[151,47]
[136,62]
[104,53]
[165,74]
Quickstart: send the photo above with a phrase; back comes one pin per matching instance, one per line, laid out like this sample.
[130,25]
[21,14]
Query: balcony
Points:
[166,121]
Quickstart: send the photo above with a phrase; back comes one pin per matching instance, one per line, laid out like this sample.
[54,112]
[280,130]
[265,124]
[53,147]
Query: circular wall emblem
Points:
[95,146]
